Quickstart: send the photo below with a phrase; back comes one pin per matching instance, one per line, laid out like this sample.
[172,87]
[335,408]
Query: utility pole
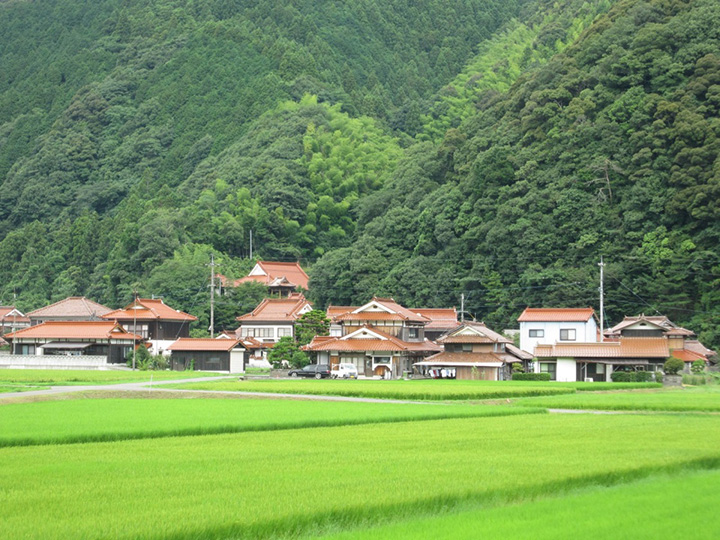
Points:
[134,328]
[601,264]
[251,243]
[462,307]
[212,295]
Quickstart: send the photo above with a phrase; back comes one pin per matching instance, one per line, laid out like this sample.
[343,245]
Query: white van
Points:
[344,371]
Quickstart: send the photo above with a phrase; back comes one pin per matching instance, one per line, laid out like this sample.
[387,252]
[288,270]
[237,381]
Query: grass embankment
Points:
[269,484]
[87,420]
[421,390]
[700,399]
[62,377]
[594,513]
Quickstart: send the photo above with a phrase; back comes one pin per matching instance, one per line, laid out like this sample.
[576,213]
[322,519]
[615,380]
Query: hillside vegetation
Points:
[416,149]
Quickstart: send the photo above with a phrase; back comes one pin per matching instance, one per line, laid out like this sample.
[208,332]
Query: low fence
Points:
[52,361]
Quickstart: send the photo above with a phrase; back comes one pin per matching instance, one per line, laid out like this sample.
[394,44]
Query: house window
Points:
[467,347]
[498,347]
[256,332]
[549,368]
[537,333]
[139,329]
[26,349]
[412,333]
[600,369]
[282,332]
[567,334]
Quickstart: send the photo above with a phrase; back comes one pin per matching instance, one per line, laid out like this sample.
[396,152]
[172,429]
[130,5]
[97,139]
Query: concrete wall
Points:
[566,370]
[585,332]
[31,361]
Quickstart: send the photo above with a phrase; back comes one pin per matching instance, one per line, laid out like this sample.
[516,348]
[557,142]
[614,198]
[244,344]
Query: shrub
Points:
[530,376]
[694,380]
[658,376]
[517,368]
[698,366]
[673,366]
[631,376]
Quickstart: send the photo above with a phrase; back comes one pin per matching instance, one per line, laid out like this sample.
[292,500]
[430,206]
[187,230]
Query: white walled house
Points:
[546,326]
[273,318]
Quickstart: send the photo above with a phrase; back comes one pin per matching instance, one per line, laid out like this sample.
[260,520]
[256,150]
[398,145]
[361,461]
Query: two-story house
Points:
[281,278]
[543,326]
[12,319]
[381,338]
[473,351]
[273,318]
[157,323]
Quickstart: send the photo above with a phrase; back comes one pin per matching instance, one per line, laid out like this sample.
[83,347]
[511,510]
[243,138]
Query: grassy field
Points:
[700,399]
[595,513]
[61,377]
[276,483]
[85,420]
[415,390]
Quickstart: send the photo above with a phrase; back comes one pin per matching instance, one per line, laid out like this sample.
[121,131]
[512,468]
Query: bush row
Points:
[634,376]
[530,376]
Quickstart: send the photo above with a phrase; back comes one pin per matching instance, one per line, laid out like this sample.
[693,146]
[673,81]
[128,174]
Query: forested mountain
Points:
[416,149]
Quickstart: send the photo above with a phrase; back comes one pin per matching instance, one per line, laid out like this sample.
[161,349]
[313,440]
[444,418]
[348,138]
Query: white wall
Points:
[237,360]
[53,361]
[274,331]
[585,332]
[566,370]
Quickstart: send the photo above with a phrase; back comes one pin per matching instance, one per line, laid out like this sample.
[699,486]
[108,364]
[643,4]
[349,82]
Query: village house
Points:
[473,351]
[273,318]
[545,326]
[206,354]
[73,308]
[11,319]
[281,278]
[68,344]
[157,323]
[637,344]
[381,338]
[440,321]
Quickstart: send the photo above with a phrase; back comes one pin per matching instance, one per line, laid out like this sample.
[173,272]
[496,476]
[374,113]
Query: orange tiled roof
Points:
[75,330]
[485,335]
[73,306]
[203,344]
[148,309]
[687,356]
[440,318]
[277,309]
[695,346]
[556,315]
[640,347]
[276,271]
[395,312]
[5,312]
[384,342]
[334,311]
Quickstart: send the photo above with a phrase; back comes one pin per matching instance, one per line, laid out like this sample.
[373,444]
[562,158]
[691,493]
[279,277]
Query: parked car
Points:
[318,371]
[344,371]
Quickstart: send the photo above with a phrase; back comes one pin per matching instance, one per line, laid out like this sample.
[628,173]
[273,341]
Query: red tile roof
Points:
[277,309]
[479,334]
[145,309]
[556,315]
[384,342]
[73,306]
[75,330]
[625,348]
[5,315]
[389,310]
[440,318]
[687,356]
[203,344]
[279,273]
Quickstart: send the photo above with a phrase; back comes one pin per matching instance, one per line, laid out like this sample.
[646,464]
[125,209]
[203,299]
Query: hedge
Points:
[530,376]
[632,376]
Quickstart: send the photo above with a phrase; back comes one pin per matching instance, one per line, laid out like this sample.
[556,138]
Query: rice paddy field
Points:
[423,389]
[700,399]
[87,420]
[61,377]
[165,467]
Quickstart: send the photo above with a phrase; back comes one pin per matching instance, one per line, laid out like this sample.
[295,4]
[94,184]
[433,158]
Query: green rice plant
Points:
[87,420]
[282,483]
[61,377]
[421,390]
[558,517]
[701,399]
